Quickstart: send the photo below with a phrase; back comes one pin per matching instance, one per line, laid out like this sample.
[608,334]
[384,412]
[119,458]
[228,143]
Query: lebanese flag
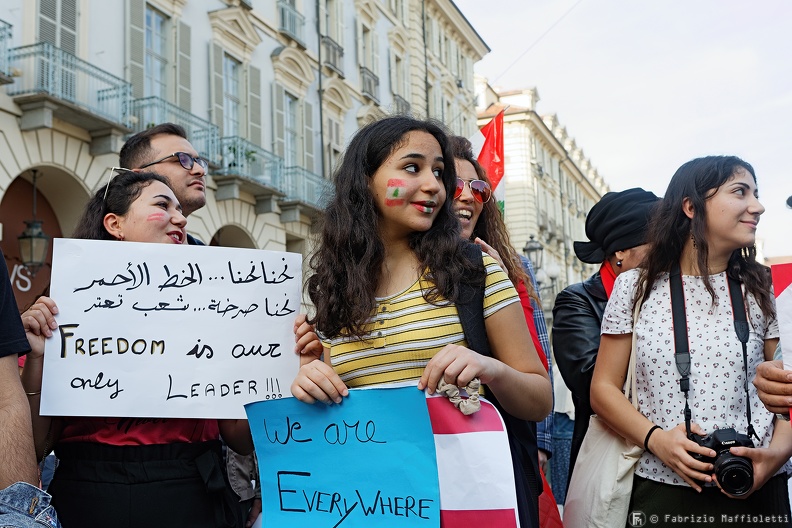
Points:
[474,466]
[782,287]
[488,142]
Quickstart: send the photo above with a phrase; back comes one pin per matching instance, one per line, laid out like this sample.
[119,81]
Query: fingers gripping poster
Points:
[167,331]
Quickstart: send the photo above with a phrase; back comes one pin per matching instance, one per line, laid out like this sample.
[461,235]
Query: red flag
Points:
[491,155]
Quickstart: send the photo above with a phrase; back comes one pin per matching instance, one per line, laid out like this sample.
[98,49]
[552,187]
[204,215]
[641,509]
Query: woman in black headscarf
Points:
[616,227]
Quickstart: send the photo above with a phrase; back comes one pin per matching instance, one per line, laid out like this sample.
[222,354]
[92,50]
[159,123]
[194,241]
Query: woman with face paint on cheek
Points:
[142,470]
[388,266]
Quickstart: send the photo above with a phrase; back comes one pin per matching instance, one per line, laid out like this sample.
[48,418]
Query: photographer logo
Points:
[636,519]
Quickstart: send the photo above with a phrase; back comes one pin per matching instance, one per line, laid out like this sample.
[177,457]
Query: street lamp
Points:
[533,250]
[33,241]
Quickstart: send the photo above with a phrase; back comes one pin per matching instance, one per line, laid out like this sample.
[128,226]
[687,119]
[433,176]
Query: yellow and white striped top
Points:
[406,331]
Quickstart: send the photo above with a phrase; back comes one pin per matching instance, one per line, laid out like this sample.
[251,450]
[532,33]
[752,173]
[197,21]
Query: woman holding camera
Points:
[701,241]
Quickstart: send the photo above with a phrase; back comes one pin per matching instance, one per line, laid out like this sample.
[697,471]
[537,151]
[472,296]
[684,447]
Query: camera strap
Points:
[681,343]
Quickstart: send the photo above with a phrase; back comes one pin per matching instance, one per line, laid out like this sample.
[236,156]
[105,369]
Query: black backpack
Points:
[522,433]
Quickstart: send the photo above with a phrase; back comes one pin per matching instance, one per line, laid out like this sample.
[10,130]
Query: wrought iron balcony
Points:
[243,158]
[5,39]
[307,187]
[400,105]
[248,168]
[291,22]
[333,55]
[51,82]
[203,135]
[369,84]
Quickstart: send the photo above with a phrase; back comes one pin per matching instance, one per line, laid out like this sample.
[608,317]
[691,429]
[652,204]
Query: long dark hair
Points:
[116,197]
[490,226]
[347,264]
[670,229]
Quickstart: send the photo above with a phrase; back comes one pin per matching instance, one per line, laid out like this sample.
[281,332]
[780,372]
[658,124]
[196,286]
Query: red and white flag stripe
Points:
[474,466]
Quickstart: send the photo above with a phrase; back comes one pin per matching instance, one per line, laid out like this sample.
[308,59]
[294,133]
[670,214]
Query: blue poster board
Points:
[369,461]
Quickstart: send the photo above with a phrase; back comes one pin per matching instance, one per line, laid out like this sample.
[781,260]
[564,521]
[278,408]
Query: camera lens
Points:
[735,474]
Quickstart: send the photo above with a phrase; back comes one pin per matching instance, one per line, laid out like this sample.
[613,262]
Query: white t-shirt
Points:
[717,375]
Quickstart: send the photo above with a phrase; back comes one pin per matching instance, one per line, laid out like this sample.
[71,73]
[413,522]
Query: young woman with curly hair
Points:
[387,274]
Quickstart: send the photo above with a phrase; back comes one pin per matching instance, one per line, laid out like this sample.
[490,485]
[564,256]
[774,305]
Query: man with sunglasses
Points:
[165,150]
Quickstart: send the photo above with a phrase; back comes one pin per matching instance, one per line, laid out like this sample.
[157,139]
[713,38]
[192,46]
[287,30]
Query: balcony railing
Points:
[400,105]
[333,54]
[291,21]
[203,135]
[47,70]
[369,84]
[5,40]
[300,184]
[243,158]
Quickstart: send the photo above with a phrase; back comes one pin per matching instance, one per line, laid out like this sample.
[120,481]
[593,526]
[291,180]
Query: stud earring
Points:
[619,263]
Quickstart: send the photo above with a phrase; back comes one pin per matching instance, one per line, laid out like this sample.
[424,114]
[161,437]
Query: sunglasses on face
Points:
[185,160]
[478,188]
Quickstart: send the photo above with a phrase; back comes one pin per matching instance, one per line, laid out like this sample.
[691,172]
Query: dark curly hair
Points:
[670,229]
[116,197]
[490,226]
[347,264]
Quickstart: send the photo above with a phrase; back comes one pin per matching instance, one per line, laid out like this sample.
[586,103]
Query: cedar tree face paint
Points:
[394,192]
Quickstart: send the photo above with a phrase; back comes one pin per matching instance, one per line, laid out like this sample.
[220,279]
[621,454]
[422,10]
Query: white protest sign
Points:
[169,331]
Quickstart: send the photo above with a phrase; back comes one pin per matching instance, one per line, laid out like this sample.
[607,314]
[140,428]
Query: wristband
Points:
[646,440]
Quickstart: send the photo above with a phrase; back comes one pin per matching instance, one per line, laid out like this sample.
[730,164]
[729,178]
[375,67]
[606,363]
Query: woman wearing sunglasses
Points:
[482,223]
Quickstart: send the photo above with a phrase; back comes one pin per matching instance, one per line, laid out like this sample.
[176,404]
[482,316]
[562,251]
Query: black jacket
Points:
[577,319]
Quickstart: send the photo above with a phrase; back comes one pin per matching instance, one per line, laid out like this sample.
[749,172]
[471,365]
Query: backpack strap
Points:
[522,433]
[471,306]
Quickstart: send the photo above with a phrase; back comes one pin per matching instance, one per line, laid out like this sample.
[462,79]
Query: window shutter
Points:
[405,76]
[57,24]
[375,66]
[216,85]
[48,21]
[393,75]
[278,121]
[308,137]
[183,95]
[359,40]
[68,29]
[136,46]
[323,29]
[340,23]
[254,105]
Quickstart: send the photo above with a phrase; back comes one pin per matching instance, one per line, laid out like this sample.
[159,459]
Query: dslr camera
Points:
[734,473]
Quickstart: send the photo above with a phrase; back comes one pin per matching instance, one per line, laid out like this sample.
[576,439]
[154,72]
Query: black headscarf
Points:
[617,222]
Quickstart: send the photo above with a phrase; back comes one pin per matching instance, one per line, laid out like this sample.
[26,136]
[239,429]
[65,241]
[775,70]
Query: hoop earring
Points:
[619,263]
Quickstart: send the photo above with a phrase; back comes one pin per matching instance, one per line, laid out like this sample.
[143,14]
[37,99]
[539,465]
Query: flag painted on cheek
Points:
[393,196]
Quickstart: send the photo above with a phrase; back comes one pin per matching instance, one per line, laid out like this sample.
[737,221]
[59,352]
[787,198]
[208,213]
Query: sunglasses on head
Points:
[478,188]
[185,160]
